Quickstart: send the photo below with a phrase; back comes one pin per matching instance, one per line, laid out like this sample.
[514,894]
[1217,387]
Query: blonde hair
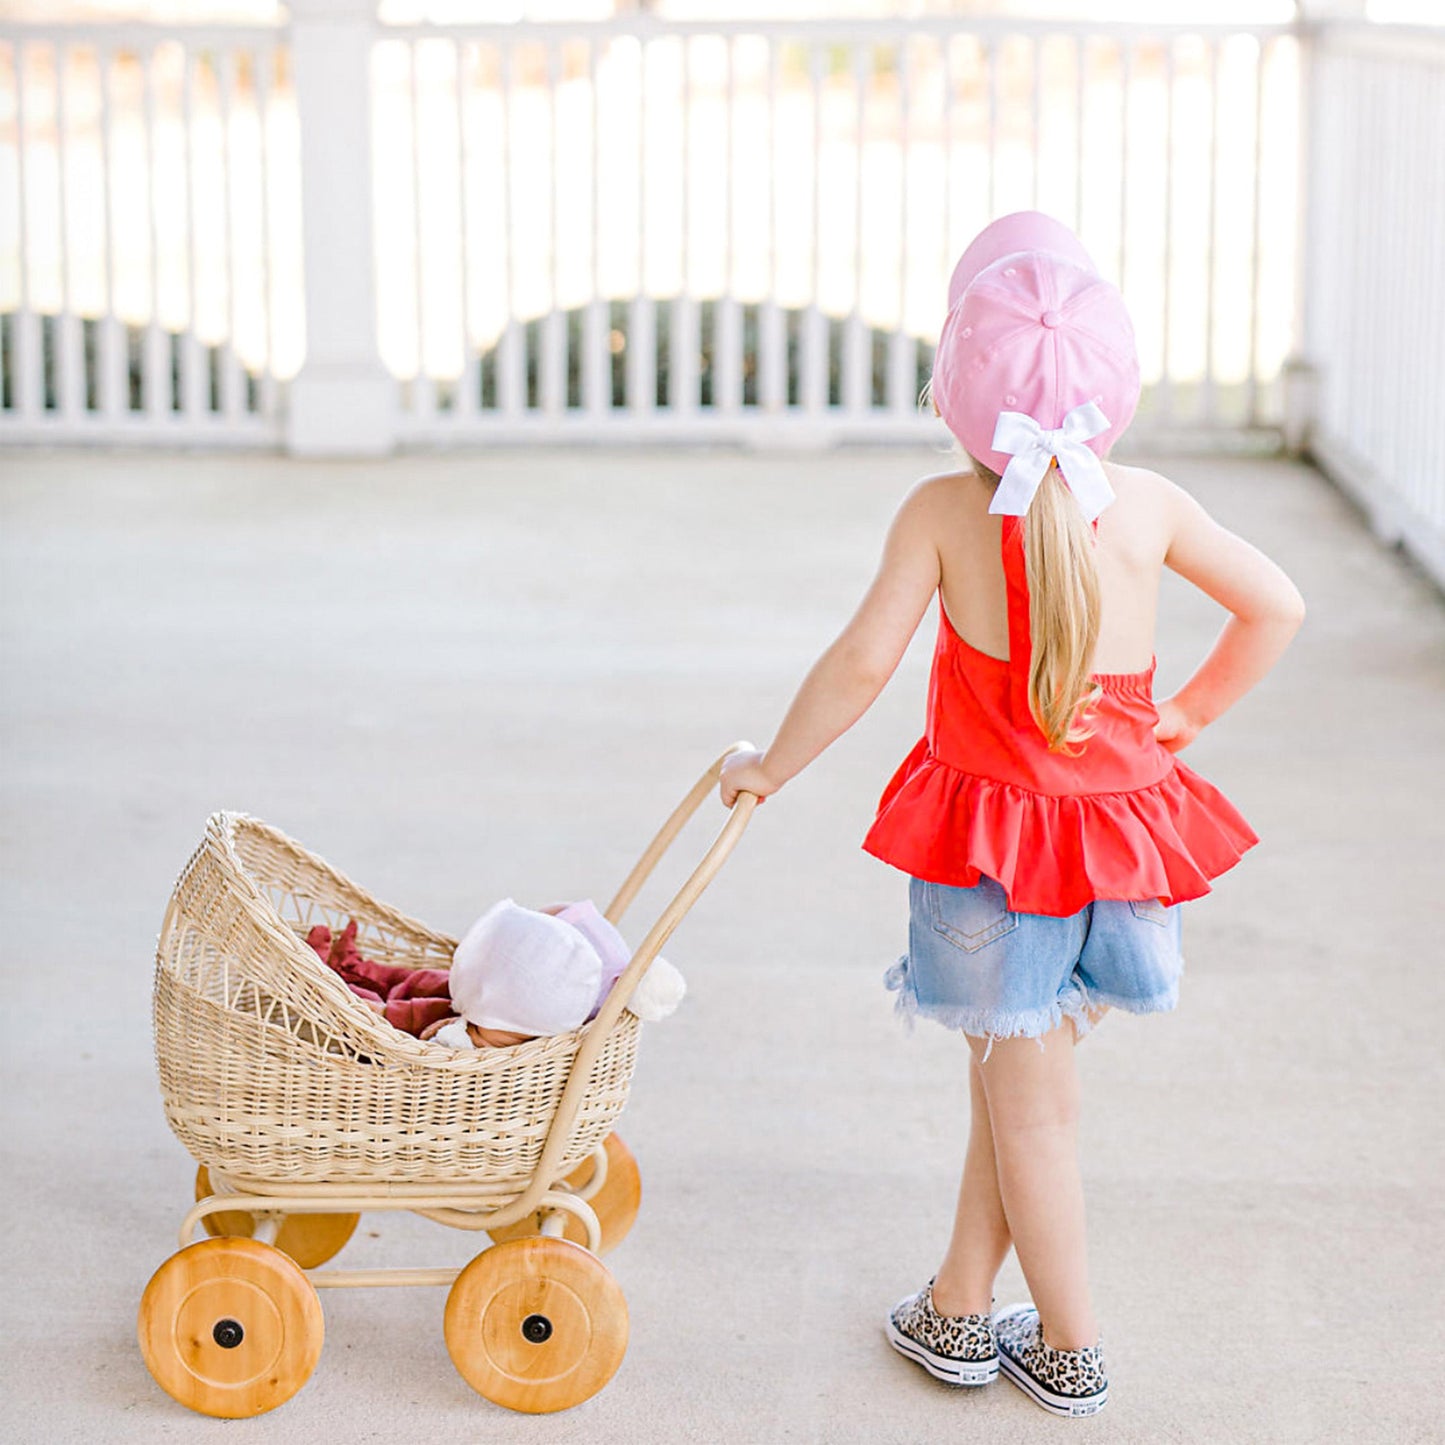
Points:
[1064,611]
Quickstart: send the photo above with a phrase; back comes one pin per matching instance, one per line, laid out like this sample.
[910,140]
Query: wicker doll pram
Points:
[272,1069]
[304,1108]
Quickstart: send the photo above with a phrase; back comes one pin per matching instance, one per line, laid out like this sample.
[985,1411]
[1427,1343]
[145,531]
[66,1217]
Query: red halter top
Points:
[982,794]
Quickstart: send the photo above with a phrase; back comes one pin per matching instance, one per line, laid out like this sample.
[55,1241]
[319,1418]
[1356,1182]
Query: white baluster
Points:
[423,386]
[857,360]
[642,317]
[70,357]
[596,358]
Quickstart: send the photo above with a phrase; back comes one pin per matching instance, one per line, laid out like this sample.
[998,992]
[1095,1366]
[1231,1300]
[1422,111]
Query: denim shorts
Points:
[973,964]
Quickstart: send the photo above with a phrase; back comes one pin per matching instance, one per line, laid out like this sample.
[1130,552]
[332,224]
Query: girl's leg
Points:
[981,1238]
[1033,1109]
[964,1283]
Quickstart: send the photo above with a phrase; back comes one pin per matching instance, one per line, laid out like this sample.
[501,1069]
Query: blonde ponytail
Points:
[1064,611]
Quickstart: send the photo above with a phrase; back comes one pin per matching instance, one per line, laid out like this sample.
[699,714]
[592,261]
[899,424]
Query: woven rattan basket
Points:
[272,1070]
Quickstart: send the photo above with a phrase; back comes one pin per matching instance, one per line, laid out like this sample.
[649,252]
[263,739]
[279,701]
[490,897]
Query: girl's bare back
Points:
[1134,538]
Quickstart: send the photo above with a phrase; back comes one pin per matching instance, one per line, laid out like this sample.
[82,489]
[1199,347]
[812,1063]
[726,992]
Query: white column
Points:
[343,402]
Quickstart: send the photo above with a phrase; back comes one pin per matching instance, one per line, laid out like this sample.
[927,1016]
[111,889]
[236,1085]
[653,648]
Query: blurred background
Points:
[242,223]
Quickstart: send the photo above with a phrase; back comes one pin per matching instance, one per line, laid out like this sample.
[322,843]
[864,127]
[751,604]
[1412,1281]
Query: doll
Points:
[520,973]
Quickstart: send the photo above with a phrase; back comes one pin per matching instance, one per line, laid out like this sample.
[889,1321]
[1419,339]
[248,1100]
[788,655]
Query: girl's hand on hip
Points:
[743,773]
[1176,729]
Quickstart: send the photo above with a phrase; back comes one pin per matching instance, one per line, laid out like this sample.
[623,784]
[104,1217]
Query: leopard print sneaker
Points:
[957,1349]
[1063,1382]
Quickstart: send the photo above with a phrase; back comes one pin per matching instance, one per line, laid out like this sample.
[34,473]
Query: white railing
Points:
[149,244]
[629,228]
[1374,279]
[635,229]
[641,228]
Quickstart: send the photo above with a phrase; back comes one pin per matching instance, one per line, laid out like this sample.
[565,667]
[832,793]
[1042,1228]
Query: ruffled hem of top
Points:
[1053,854]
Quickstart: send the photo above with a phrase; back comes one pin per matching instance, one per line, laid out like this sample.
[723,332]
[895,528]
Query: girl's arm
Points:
[1267,608]
[845,680]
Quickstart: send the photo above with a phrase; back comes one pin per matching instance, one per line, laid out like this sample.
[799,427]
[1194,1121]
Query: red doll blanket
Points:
[408,998]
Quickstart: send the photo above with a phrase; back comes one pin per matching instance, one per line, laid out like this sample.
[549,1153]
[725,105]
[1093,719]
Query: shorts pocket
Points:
[1151,909]
[970,918]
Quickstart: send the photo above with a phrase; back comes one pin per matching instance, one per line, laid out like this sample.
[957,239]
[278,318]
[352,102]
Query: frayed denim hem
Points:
[1160,1003]
[991,1024]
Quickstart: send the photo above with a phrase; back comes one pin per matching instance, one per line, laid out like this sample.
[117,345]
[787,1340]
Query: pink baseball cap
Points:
[1021,231]
[1033,328]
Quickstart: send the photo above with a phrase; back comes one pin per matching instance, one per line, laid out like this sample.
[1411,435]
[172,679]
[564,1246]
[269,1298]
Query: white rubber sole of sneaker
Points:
[951,1372]
[1067,1405]
[1070,1406]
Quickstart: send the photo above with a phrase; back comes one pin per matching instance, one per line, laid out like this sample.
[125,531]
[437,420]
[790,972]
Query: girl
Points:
[1049,831]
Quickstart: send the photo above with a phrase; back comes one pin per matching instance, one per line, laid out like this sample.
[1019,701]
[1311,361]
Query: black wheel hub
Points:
[228,1334]
[537,1329]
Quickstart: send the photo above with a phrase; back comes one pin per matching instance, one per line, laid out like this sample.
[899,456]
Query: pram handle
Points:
[731,832]
[647,950]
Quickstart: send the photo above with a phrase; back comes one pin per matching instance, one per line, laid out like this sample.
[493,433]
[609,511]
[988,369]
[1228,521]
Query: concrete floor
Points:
[470,676]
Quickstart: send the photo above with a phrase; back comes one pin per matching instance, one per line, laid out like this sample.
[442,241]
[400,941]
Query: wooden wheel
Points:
[310,1239]
[616,1203]
[230,1327]
[536,1324]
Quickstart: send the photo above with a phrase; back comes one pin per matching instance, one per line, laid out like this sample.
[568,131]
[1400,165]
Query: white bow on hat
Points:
[1031,449]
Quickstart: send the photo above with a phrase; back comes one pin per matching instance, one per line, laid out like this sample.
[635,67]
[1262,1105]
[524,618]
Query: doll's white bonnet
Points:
[525,972]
